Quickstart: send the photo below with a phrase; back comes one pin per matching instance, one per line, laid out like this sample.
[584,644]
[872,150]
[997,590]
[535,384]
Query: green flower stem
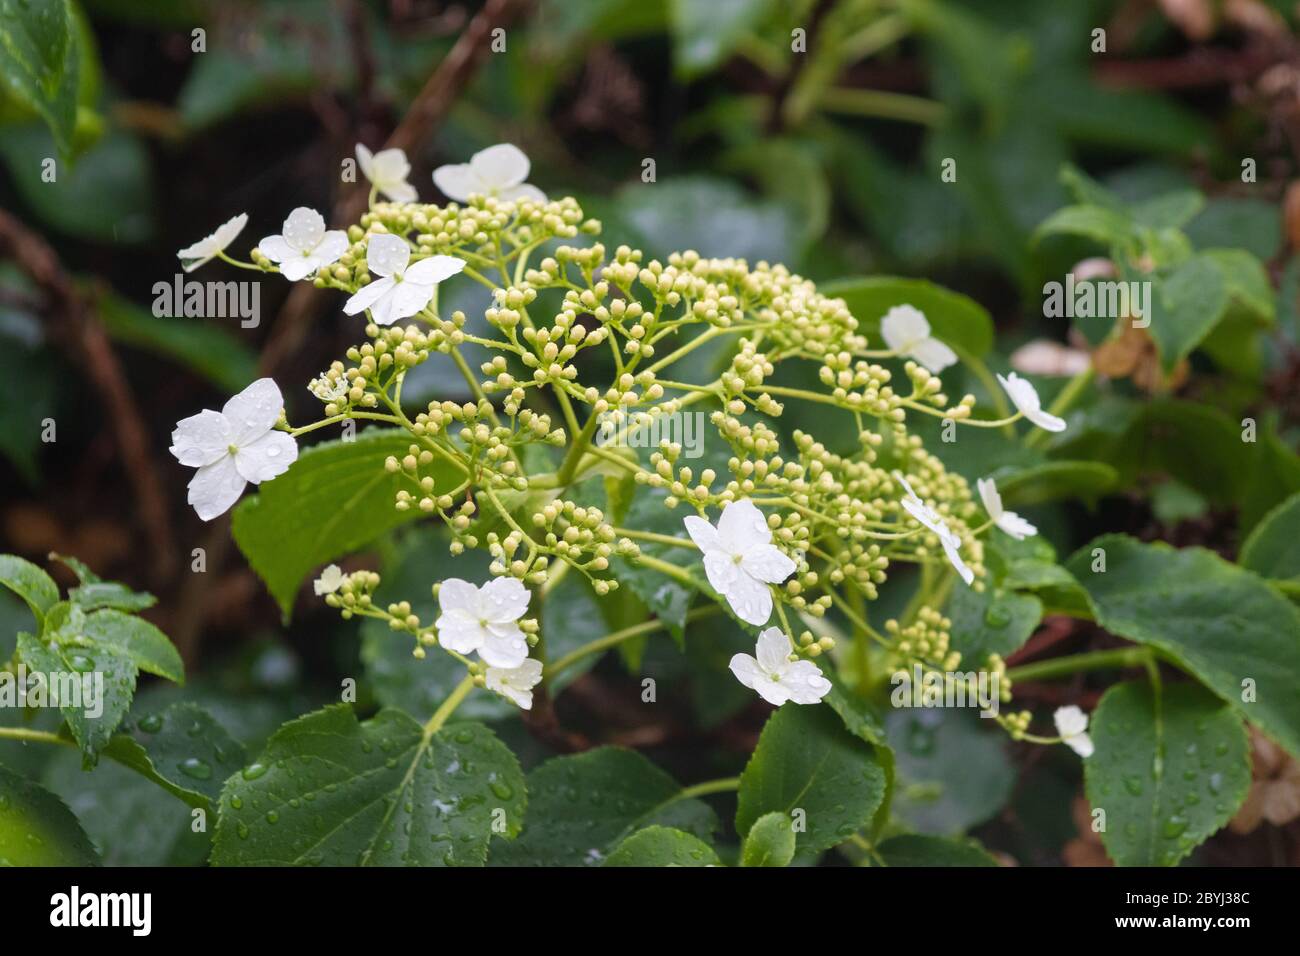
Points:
[724,785]
[243,265]
[878,104]
[343,416]
[581,444]
[27,735]
[1061,404]
[1077,663]
[618,637]
[996,395]
[672,570]
[668,539]
[973,422]
[448,706]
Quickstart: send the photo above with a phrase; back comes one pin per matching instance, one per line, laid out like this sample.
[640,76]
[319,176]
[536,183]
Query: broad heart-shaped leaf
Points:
[917,849]
[770,842]
[337,497]
[954,318]
[1224,625]
[807,761]
[37,829]
[1186,305]
[92,685]
[1168,770]
[39,61]
[581,807]
[1273,548]
[181,748]
[30,583]
[662,846]
[330,791]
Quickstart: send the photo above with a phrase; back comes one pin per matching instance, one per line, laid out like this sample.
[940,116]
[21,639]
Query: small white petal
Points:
[457,182]
[407,298]
[702,533]
[215,488]
[267,458]
[330,580]
[1016,526]
[805,682]
[386,255]
[933,354]
[515,683]
[751,600]
[1070,720]
[500,166]
[455,594]
[459,632]
[748,671]
[504,646]
[503,600]
[742,526]
[721,570]
[773,649]
[1080,744]
[254,411]
[433,270]
[521,193]
[277,249]
[303,229]
[1025,397]
[989,495]
[950,548]
[201,439]
[207,248]
[903,327]
[300,267]
[369,297]
[767,563]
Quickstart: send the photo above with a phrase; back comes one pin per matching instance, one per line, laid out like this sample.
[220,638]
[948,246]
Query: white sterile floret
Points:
[1072,725]
[305,246]
[774,676]
[515,683]
[233,447]
[906,331]
[484,619]
[330,580]
[497,171]
[209,247]
[1008,521]
[1025,397]
[387,171]
[923,513]
[402,290]
[740,559]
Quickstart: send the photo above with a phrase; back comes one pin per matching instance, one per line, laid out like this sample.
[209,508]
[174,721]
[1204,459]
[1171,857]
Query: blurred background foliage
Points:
[1178,128]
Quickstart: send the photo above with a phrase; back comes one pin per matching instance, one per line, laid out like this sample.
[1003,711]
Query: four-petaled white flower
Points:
[497,171]
[328,391]
[906,331]
[484,619]
[1025,397]
[305,246]
[1008,521]
[923,513]
[740,559]
[776,677]
[330,580]
[1072,725]
[387,171]
[402,291]
[209,247]
[233,446]
[516,683]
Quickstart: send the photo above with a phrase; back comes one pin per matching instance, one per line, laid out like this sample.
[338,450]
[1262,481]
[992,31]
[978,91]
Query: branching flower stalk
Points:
[802,531]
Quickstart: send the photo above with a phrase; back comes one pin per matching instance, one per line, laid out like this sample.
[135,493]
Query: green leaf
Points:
[1108,227]
[770,842]
[94,592]
[992,621]
[1030,565]
[807,761]
[330,791]
[1186,305]
[706,31]
[137,639]
[182,749]
[953,772]
[39,61]
[662,846]
[1168,770]
[29,369]
[207,350]
[1054,480]
[580,808]
[37,829]
[668,598]
[93,686]
[337,497]
[954,318]
[30,583]
[1169,211]
[1273,548]
[1225,625]
[916,849]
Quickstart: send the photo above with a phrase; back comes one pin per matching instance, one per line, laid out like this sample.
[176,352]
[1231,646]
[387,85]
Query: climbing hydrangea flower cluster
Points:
[794,538]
